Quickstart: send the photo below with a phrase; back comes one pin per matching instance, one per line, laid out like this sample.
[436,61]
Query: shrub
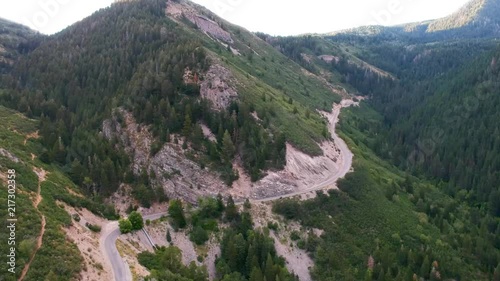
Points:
[199,235]
[94,228]
[125,226]
[136,220]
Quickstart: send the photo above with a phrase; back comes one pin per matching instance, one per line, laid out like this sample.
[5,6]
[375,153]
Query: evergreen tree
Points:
[176,212]
[256,275]
[228,149]
[231,210]
[169,236]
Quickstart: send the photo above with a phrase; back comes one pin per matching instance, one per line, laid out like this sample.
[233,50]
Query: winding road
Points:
[110,232]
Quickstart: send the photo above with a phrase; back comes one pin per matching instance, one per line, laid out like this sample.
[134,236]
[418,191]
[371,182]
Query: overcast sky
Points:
[276,17]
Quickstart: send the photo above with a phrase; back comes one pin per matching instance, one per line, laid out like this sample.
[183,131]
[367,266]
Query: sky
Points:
[275,17]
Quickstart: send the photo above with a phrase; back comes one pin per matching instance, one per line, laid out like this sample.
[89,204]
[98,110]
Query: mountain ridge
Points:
[476,19]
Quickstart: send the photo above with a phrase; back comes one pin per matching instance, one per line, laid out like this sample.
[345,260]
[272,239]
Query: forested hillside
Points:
[434,122]
[133,56]
[422,200]
[41,191]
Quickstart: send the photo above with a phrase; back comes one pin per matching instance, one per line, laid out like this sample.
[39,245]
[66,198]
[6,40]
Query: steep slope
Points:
[14,40]
[172,67]
[476,19]
[42,248]
[477,13]
[435,121]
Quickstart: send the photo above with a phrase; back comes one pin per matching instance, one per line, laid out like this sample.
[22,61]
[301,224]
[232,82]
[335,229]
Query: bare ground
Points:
[129,249]
[302,174]
[95,266]
[180,239]
[33,135]
[297,260]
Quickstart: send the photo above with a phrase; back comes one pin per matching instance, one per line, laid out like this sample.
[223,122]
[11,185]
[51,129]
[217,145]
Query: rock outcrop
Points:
[208,26]
[217,87]
[174,172]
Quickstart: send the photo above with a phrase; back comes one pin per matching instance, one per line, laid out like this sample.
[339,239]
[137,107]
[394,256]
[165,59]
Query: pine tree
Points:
[269,272]
[496,274]
[186,130]
[231,210]
[425,269]
[176,212]
[228,149]
[256,275]
[169,236]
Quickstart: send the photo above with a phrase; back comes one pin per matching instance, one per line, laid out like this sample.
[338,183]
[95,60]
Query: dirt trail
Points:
[41,173]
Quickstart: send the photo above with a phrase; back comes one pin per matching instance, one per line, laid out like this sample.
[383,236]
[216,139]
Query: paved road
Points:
[346,158]
[109,234]
[121,270]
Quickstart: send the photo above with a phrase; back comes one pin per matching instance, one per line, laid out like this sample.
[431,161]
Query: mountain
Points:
[359,156]
[475,14]
[476,19]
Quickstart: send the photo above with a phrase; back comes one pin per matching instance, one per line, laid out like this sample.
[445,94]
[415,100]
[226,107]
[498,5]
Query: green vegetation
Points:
[435,121]
[405,225]
[57,255]
[423,202]
[125,226]
[204,219]
[176,212]
[15,40]
[248,254]
[166,264]
[136,220]
[135,59]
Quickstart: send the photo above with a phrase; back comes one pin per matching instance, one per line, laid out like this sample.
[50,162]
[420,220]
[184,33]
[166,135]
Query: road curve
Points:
[121,270]
[107,242]
[345,153]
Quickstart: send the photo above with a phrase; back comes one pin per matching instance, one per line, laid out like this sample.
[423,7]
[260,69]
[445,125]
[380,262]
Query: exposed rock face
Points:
[208,26]
[9,155]
[216,87]
[183,178]
[179,176]
[329,58]
[301,172]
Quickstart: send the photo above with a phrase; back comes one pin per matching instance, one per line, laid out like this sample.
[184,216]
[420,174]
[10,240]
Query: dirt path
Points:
[41,173]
